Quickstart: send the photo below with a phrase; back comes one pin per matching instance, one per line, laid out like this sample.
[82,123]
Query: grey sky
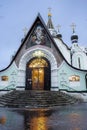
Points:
[18,14]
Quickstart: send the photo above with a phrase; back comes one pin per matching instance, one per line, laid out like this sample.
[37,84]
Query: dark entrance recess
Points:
[38,74]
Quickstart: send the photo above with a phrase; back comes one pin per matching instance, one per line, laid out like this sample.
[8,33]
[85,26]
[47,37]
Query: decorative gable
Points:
[38,36]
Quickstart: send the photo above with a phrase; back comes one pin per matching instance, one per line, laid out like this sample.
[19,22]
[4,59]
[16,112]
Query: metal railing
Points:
[9,87]
[72,89]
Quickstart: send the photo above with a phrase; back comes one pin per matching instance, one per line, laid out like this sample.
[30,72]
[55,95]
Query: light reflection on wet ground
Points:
[61,118]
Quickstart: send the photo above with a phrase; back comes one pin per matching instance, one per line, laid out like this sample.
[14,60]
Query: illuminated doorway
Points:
[38,74]
[38,78]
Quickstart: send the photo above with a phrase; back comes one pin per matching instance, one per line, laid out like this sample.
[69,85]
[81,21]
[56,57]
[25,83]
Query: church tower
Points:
[77,54]
[50,25]
[74,37]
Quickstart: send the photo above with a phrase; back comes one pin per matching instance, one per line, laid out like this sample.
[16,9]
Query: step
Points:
[36,99]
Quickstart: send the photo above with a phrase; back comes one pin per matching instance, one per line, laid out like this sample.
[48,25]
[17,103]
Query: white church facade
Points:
[44,62]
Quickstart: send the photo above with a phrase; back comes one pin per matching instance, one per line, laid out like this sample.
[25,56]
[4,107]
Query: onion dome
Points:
[59,35]
[74,37]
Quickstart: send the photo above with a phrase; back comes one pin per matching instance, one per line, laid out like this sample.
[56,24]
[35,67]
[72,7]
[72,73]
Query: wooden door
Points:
[38,79]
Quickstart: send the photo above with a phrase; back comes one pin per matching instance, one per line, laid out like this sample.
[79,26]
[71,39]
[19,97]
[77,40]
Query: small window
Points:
[4,78]
[74,78]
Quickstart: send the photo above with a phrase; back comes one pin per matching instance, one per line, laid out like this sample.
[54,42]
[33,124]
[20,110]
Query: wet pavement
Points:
[72,117]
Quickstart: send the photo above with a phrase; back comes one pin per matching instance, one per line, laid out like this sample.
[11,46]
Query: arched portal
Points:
[38,74]
[29,56]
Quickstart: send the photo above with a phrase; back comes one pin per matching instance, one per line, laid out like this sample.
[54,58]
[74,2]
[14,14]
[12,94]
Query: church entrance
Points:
[38,74]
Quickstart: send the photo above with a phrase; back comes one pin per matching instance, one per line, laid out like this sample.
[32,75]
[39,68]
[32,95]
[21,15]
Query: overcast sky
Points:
[15,15]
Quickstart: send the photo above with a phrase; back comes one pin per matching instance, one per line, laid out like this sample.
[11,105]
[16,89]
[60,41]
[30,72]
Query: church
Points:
[44,62]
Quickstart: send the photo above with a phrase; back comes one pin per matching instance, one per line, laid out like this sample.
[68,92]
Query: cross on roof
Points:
[25,30]
[73,26]
[49,11]
[58,27]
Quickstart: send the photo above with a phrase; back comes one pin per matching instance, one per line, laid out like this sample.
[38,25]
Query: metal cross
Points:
[49,10]
[25,31]
[58,27]
[73,26]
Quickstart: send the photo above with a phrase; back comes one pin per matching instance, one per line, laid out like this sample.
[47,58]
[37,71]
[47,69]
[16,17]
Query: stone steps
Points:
[36,99]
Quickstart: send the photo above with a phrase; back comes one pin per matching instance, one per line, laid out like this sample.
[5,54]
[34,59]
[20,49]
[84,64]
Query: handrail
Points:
[8,87]
[72,89]
[69,87]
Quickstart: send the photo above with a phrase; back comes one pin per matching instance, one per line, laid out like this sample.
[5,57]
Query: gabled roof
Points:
[38,18]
